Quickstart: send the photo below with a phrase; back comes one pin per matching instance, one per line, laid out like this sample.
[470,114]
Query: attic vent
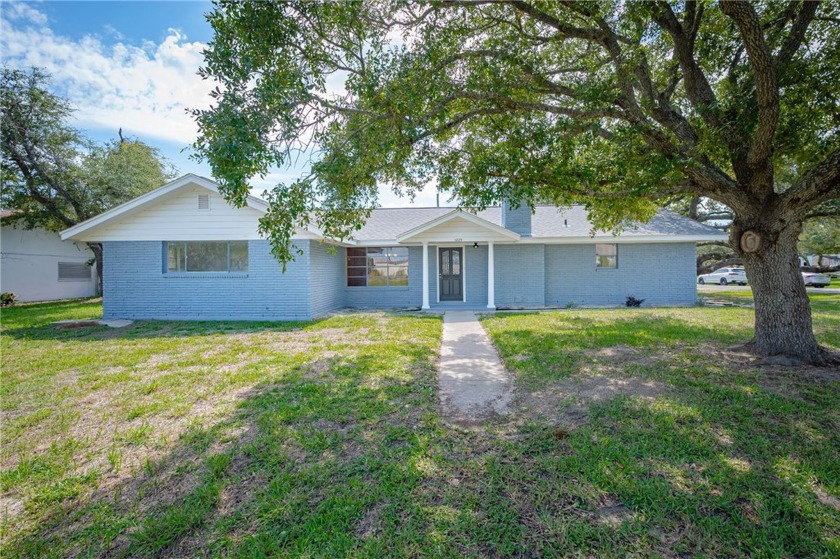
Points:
[73,271]
[203,201]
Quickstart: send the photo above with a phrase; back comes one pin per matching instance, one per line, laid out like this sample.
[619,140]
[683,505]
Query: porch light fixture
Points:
[475,245]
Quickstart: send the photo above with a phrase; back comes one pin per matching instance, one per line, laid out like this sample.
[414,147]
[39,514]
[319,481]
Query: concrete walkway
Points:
[474,384]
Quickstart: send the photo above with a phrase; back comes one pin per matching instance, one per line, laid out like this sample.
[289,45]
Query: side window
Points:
[606,255]
[74,271]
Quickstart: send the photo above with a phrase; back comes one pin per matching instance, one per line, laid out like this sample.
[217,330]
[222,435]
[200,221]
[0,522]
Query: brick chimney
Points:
[517,219]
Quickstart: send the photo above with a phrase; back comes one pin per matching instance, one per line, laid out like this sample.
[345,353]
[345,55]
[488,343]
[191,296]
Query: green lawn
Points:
[630,435]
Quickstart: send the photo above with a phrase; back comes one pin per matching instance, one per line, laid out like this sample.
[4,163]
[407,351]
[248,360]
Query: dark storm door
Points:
[451,267]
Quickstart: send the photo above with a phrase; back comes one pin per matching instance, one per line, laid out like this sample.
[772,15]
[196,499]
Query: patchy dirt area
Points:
[826,499]
[612,513]
[738,355]
[77,325]
[617,352]
[567,402]
[371,523]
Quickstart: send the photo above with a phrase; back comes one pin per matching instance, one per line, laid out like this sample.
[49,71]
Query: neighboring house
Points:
[181,252]
[827,261]
[36,265]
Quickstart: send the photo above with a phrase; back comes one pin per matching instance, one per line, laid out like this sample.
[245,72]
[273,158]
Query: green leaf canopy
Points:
[616,105]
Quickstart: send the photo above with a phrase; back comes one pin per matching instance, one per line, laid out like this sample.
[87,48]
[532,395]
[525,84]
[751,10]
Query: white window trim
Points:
[463,271]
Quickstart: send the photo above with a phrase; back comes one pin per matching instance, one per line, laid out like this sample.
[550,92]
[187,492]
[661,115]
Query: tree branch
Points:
[820,184]
[566,31]
[697,86]
[36,194]
[797,35]
[758,157]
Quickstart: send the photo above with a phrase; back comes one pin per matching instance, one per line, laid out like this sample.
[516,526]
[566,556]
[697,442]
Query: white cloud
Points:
[143,89]
[112,31]
[21,11]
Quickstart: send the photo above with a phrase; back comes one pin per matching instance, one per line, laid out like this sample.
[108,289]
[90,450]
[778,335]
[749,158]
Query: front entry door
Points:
[451,267]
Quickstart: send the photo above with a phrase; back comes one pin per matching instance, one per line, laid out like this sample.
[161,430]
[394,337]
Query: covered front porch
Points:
[458,261]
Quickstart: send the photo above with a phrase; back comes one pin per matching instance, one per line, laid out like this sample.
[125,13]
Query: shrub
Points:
[633,302]
[7,298]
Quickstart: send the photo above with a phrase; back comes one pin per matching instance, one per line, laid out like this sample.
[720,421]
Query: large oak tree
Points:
[617,105]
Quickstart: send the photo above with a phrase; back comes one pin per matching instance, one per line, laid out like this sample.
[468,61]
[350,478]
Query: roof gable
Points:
[455,226]
[92,229]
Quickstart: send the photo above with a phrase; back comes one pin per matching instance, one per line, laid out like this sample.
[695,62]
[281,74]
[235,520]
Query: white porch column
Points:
[425,275]
[491,277]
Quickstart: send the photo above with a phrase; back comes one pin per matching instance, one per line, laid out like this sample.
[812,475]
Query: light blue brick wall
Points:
[662,274]
[520,275]
[135,286]
[517,219]
[476,275]
[391,297]
[327,278]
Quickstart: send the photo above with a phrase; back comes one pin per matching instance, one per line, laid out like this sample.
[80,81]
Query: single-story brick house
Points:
[181,252]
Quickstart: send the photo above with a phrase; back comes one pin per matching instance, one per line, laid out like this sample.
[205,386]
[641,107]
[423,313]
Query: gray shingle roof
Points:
[384,224]
[548,221]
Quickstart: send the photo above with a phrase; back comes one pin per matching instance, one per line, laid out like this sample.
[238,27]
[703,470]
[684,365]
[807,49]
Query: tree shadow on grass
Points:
[29,314]
[746,467]
[675,478]
[141,329]
[87,331]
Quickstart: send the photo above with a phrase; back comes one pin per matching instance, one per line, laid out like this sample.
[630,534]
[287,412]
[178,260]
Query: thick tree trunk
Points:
[97,254]
[782,310]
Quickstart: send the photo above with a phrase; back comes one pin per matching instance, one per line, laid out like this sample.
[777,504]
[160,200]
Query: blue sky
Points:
[131,65]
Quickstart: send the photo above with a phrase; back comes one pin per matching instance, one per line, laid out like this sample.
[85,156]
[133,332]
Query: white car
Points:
[813,279]
[724,276]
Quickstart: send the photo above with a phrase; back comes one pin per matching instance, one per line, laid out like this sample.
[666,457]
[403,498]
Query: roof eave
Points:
[623,239]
